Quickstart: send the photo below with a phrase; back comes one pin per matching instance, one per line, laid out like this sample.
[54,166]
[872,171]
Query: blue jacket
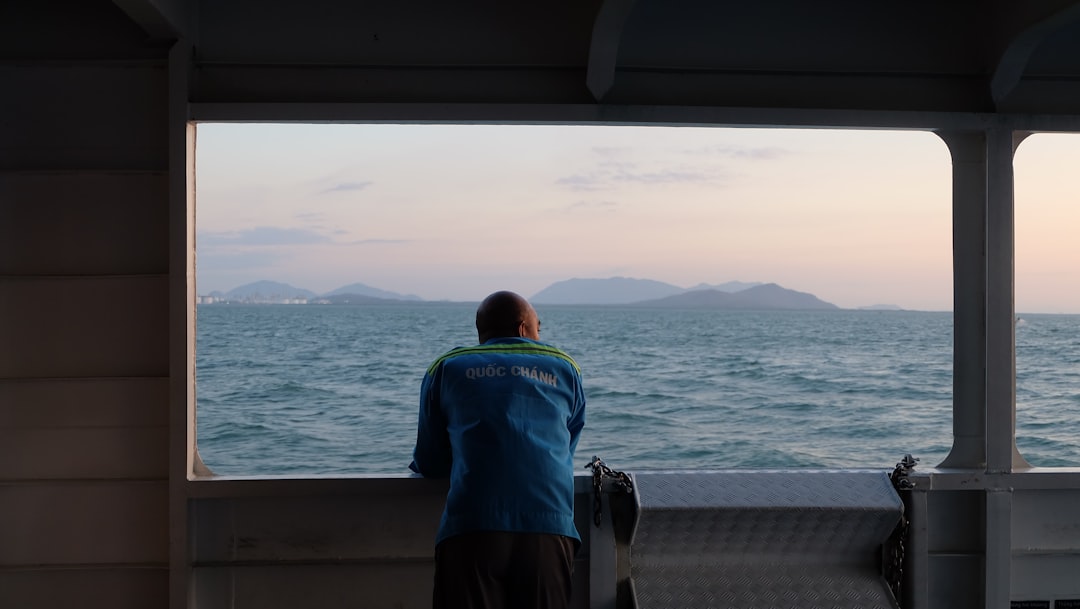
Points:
[502,420]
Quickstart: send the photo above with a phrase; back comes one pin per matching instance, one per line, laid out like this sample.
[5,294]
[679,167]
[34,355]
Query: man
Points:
[502,419]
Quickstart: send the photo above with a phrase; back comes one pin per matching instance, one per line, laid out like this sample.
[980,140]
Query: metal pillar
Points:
[969,171]
[984,360]
[1001,453]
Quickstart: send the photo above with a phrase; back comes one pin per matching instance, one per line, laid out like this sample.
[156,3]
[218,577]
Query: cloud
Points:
[666,176]
[594,205]
[232,261]
[261,236]
[345,187]
[610,151]
[581,182]
[379,242]
[756,154]
[610,176]
[611,171]
[273,236]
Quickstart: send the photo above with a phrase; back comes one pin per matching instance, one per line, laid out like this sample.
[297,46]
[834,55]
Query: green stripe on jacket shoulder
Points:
[518,348]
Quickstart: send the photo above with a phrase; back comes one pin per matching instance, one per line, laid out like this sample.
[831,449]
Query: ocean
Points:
[334,389]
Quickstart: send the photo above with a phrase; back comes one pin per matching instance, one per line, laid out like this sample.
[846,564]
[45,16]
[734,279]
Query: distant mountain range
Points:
[621,290]
[766,296]
[647,292]
[609,291]
[273,291]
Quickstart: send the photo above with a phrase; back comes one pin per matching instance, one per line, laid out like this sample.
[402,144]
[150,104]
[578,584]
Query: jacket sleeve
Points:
[432,456]
[577,415]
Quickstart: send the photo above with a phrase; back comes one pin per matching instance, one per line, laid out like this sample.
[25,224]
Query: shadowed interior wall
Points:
[83,309]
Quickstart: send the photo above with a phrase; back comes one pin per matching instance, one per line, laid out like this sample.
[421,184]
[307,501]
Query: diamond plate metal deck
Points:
[762,539]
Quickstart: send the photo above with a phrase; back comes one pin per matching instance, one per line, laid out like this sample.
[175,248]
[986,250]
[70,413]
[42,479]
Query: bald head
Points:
[506,314]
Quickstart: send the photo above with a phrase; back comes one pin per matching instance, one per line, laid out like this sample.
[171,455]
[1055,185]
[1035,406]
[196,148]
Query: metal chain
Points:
[601,471]
[895,546]
[900,472]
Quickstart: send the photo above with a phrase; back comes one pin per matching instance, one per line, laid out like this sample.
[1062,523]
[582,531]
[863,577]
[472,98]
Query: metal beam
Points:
[1014,58]
[604,47]
[601,114]
[160,19]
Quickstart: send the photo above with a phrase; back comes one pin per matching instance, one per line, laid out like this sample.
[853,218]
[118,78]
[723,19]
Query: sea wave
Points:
[333,390]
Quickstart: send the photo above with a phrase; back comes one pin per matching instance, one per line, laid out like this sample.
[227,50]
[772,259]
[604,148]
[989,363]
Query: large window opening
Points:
[1048,299]
[735,297]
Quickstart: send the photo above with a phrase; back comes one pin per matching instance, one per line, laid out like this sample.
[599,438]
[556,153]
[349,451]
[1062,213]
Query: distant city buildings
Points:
[253,299]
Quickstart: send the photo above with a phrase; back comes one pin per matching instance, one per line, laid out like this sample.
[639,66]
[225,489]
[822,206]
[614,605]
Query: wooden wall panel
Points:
[59,30]
[117,402]
[84,523]
[315,528]
[94,588]
[84,428]
[113,453]
[89,116]
[329,544]
[84,327]
[106,223]
[403,585]
[84,358]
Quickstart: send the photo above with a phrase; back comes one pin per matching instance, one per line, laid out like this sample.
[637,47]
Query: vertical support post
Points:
[916,590]
[998,577]
[603,560]
[984,365]
[969,181]
[1001,453]
[181,320]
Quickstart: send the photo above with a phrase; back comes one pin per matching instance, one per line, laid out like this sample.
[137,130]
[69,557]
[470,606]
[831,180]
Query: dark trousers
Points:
[496,570]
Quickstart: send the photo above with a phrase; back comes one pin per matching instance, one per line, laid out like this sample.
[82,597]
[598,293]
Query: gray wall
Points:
[83,310]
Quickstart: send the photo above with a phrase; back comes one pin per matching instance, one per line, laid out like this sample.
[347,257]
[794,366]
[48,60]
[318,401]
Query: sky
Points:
[454,212]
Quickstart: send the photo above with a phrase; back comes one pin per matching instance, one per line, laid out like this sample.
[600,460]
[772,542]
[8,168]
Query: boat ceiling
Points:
[844,61]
